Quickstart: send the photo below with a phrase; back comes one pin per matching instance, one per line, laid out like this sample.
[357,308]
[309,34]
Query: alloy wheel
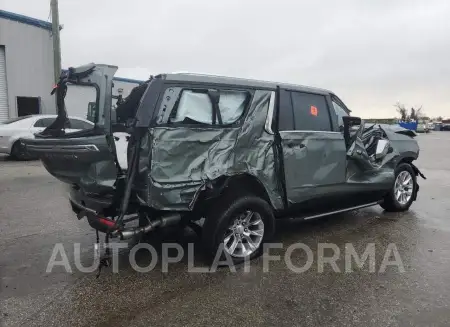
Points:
[244,235]
[403,188]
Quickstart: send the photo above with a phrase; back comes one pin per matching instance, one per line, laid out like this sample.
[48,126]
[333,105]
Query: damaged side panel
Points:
[185,159]
[179,160]
[364,171]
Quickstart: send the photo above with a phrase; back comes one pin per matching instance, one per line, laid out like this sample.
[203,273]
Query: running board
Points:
[341,210]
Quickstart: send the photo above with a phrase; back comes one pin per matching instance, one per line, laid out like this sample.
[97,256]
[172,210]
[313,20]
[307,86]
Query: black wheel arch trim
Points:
[214,189]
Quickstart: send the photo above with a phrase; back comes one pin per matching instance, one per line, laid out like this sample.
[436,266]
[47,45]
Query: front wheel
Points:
[403,191]
[239,226]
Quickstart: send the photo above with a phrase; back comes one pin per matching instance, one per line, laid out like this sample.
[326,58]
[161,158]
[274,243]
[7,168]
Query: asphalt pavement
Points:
[35,215]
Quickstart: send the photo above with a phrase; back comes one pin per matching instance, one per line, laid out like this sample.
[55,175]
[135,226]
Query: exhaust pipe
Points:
[169,219]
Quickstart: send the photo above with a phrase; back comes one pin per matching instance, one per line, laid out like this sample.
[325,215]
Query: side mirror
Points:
[351,121]
[352,128]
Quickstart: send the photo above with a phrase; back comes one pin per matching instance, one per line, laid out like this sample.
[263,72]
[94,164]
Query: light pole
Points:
[56,40]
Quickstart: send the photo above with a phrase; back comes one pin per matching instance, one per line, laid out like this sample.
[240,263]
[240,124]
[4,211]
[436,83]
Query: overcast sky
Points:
[371,53]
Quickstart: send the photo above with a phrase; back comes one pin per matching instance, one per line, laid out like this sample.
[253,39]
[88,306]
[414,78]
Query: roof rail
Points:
[197,74]
[215,75]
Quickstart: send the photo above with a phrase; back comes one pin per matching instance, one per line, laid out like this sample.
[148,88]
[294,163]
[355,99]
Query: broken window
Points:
[196,106]
[232,105]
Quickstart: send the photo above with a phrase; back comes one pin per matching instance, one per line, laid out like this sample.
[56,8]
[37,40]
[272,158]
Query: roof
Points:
[225,80]
[26,20]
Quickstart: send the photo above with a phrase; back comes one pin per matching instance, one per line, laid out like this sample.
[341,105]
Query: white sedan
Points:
[25,127]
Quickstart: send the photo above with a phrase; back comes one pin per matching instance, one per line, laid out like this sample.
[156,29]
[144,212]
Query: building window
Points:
[28,106]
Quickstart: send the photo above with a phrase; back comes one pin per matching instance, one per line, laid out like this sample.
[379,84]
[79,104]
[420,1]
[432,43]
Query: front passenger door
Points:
[314,153]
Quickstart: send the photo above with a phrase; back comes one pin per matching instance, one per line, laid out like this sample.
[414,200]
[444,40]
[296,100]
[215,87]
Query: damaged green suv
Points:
[238,153]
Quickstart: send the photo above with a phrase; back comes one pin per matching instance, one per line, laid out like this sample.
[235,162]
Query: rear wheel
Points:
[401,196]
[239,224]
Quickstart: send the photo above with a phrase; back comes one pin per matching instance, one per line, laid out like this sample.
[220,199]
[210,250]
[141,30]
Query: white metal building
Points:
[26,66]
[26,70]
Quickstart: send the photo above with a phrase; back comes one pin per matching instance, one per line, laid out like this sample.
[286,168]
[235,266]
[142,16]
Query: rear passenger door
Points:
[314,151]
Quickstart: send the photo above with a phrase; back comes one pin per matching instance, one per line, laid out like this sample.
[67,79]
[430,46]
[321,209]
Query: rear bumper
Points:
[83,202]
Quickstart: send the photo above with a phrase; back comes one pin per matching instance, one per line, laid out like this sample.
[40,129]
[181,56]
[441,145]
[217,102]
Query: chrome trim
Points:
[92,147]
[342,210]
[306,131]
[269,118]
[63,148]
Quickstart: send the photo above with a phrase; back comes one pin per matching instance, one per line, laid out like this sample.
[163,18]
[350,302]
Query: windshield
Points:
[13,120]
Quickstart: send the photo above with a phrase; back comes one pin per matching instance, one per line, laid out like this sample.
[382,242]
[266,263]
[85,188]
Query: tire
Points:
[18,152]
[391,201]
[229,209]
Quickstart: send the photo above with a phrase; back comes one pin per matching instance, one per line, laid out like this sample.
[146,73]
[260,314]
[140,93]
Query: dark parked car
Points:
[239,153]
[445,127]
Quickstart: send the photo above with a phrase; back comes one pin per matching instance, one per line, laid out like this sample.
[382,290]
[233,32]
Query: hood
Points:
[396,129]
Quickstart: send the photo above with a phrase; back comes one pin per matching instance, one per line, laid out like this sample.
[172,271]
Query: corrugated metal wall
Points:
[29,68]
[4,108]
[29,63]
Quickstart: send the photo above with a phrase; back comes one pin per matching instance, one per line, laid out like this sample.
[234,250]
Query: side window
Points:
[340,112]
[44,122]
[285,116]
[79,124]
[195,106]
[39,123]
[310,112]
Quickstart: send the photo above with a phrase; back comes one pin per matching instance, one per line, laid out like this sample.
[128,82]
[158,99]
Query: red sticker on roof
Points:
[314,111]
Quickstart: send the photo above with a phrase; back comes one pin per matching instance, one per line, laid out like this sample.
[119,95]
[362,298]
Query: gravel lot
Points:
[35,215]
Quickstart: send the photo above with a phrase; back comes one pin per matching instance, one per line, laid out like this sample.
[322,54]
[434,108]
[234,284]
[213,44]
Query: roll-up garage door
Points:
[4,111]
